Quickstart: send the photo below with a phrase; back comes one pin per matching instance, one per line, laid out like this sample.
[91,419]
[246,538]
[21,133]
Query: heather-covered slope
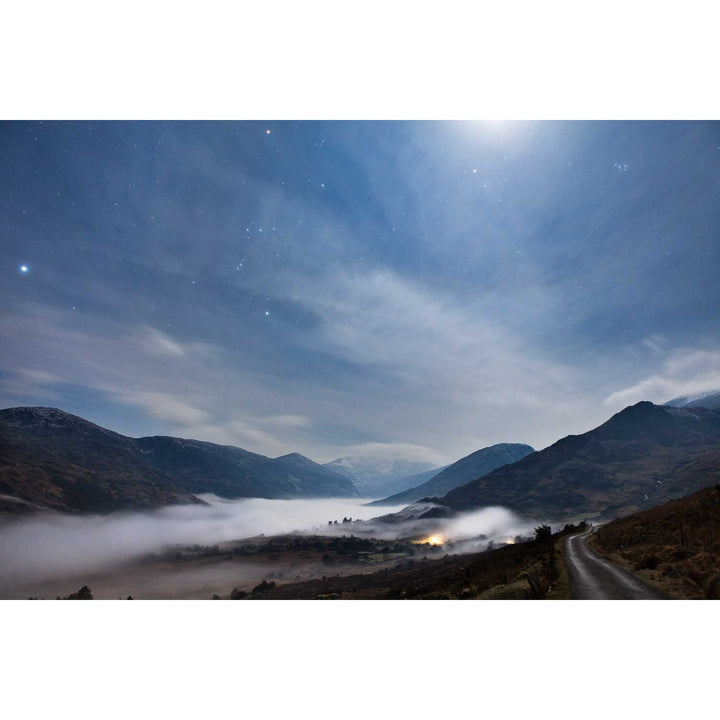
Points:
[51,459]
[674,547]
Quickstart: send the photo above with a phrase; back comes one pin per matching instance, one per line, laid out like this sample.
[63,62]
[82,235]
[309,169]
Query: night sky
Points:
[404,289]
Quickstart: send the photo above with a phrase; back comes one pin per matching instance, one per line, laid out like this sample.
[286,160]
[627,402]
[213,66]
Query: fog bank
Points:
[51,545]
[48,546]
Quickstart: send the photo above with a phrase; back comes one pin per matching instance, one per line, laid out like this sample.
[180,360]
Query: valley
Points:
[162,517]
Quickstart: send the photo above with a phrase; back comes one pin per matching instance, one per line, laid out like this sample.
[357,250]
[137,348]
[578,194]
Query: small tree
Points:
[82,594]
[544,537]
[543,534]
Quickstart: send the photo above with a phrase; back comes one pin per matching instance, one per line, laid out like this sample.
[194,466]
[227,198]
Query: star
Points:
[24,269]
[267,312]
[267,132]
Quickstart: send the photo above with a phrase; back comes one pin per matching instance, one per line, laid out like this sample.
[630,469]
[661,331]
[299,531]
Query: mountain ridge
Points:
[637,458]
[55,460]
[377,477]
[468,468]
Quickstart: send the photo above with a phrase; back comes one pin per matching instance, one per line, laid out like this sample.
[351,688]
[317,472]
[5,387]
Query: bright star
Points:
[267,132]
[24,269]
[267,312]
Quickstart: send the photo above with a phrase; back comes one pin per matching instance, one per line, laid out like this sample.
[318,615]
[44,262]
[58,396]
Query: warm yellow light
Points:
[432,540]
[509,541]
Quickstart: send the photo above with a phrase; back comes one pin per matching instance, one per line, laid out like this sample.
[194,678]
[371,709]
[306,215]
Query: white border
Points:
[557,59]
[225,60]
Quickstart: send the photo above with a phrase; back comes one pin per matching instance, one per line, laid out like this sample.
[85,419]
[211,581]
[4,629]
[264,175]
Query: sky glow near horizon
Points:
[414,289]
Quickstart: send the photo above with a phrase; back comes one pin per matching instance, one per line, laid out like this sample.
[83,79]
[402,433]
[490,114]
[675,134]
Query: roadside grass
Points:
[674,548]
[561,588]
[647,577]
[516,590]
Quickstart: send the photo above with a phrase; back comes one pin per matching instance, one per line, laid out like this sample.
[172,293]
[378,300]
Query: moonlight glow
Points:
[404,290]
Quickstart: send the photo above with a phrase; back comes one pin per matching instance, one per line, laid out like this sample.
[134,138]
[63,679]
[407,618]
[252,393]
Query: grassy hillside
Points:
[674,547]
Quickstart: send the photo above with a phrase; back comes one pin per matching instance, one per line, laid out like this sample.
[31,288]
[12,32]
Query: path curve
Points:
[593,578]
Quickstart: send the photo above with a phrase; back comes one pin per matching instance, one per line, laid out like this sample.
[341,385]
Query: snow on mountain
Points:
[709,399]
[375,476]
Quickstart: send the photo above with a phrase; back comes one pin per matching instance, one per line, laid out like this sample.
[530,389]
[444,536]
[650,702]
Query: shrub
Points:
[263,587]
[649,562]
[82,594]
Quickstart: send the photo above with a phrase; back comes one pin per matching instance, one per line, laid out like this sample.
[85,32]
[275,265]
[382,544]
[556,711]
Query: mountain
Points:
[641,456]
[468,468]
[709,399]
[375,477]
[312,480]
[231,472]
[50,459]
[411,481]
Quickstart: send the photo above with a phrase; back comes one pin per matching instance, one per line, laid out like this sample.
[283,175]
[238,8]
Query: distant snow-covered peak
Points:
[708,399]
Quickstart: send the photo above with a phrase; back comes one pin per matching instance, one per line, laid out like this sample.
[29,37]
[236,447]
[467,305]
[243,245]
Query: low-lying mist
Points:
[51,545]
[48,546]
[470,531]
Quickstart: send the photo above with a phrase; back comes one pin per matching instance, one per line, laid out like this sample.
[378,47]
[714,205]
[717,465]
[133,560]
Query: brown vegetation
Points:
[673,547]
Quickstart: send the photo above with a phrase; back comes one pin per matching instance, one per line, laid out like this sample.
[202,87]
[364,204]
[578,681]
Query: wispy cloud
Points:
[165,407]
[686,371]
[423,289]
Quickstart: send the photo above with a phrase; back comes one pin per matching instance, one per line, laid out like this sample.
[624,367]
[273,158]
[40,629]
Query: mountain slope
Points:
[231,472]
[312,480]
[468,468]
[51,459]
[375,477]
[641,456]
[412,481]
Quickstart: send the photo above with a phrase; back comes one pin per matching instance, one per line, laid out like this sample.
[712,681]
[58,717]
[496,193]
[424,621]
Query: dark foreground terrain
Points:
[321,567]
[674,547]
[520,571]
